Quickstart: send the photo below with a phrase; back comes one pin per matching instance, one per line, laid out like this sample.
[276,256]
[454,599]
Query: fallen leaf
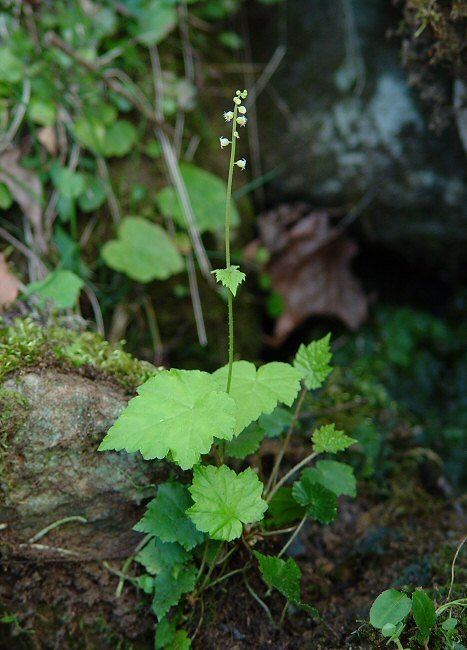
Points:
[310,268]
[26,188]
[48,139]
[9,285]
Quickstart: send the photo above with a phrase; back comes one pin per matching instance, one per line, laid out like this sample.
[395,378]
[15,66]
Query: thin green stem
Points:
[228,204]
[292,537]
[290,473]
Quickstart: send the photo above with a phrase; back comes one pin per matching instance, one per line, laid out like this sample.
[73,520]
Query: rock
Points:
[51,468]
[340,123]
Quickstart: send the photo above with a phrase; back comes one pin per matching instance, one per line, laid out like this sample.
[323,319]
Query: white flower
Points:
[241,163]
[242,110]
[228,116]
[241,120]
[237,101]
[224,142]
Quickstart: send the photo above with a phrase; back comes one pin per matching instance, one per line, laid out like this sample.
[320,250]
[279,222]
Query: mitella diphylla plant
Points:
[206,422]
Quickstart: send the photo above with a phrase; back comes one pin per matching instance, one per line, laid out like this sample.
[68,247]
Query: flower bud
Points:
[244,94]
[241,121]
[237,101]
[242,110]
[224,142]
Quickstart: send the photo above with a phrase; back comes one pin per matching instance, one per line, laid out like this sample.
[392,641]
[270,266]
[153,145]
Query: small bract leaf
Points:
[143,251]
[258,391]
[285,576]
[119,139]
[245,443]
[313,362]
[61,287]
[390,607]
[337,477]
[170,585]
[327,439]
[176,410]
[320,503]
[165,633]
[283,508]
[230,278]
[158,555]
[225,500]
[166,517]
[69,184]
[424,612]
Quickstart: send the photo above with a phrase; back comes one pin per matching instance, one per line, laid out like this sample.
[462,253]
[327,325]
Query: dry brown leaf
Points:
[310,269]
[9,285]
[26,188]
[47,136]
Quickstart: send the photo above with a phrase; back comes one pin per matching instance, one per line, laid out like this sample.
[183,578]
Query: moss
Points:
[25,343]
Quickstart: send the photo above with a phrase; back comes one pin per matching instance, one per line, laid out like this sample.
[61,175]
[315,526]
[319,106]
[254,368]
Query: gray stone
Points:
[51,468]
[340,123]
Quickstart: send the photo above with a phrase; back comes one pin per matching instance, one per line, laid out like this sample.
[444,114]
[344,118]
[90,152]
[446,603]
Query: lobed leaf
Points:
[170,585]
[320,503]
[166,517]
[258,391]
[327,439]
[143,251]
[230,278]
[337,477]
[245,443]
[283,508]
[312,361]
[224,500]
[285,576]
[178,411]
[390,607]
[158,555]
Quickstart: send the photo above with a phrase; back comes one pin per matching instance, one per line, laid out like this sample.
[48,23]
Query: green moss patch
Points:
[25,343]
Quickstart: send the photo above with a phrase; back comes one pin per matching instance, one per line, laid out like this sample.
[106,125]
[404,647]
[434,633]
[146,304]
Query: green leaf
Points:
[337,477]
[181,641]
[119,139]
[93,195]
[327,439]
[224,500]
[245,443]
[143,251]
[165,633]
[61,287]
[90,132]
[166,517]
[207,196]
[68,183]
[41,112]
[230,278]
[320,503]
[390,607]
[170,585]
[424,612]
[6,200]
[313,362]
[11,67]
[158,555]
[276,422]
[155,22]
[285,576]
[178,411]
[258,391]
[283,508]
[146,583]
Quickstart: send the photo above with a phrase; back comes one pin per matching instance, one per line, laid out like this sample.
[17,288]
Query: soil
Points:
[408,538]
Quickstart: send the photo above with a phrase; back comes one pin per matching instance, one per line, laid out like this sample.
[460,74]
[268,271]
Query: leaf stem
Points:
[290,473]
[292,537]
